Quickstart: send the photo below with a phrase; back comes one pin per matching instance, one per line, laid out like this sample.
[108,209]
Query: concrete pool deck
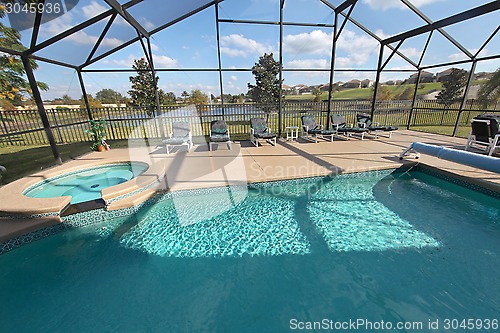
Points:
[244,163]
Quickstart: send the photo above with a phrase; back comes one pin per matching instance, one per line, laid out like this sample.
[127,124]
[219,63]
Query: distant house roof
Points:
[423,74]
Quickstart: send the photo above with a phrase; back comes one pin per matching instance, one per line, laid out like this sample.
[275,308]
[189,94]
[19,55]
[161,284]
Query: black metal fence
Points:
[69,125]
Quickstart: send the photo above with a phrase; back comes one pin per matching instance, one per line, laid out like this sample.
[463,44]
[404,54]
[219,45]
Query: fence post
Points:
[5,127]
[111,124]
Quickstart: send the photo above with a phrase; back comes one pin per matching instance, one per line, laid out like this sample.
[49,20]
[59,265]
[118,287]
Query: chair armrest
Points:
[361,125]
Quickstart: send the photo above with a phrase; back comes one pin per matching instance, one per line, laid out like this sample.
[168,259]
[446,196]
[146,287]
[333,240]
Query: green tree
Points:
[267,86]
[240,98]
[197,97]
[109,96]
[13,86]
[185,95]
[453,87]
[166,98]
[317,95]
[66,99]
[142,92]
[489,93]
[93,103]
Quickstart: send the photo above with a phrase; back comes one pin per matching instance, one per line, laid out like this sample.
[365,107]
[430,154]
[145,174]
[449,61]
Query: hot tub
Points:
[86,184]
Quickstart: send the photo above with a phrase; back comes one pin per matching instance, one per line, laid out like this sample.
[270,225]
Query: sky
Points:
[192,43]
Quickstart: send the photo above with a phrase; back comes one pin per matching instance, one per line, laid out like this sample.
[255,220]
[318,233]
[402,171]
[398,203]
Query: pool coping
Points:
[15,205]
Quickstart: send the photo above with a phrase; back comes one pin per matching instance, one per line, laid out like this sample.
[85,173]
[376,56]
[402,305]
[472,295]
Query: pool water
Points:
[86,185]
[374,246]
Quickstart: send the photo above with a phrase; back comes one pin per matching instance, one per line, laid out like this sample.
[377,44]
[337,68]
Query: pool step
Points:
[83,207]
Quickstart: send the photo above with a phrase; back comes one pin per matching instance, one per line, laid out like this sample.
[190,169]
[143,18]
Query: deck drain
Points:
[94,186]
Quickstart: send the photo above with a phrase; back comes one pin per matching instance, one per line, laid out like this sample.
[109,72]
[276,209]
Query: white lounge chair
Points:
[180,136]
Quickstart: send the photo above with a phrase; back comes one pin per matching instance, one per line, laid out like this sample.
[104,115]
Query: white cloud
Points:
[93,9]
[235,45]
[159,61]
[65,22]
[308,63]
[315,42]
[148,25]
[358,47]
[388,4]
[154,47]
[128,62]
[233,78]
[165,62]
[462,56]
[410,52]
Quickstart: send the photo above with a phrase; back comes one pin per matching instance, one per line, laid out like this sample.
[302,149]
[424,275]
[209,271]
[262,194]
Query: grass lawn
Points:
[21,161]
[463,131]
[365,93]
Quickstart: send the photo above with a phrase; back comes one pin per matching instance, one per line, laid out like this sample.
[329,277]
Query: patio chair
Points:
[311,130]
[260,131]
[485,133]
[219,133]
[339,123]
[180,136]
[364,120]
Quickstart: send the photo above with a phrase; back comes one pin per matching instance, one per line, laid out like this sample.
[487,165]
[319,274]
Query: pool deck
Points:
[243,164]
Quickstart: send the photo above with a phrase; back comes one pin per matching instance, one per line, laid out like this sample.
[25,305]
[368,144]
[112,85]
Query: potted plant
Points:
[97,132]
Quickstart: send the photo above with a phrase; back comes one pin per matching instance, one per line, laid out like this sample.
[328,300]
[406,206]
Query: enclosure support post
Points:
[159,114]
[280,104]
[417,82]
[464,98]
[377,79]
[218,57]
[84,92]
[332,68]
[41,108]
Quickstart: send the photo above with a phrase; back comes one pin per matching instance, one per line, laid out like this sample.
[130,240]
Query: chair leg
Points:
[229,145]
[469,141]
[168,150]
[494,144]
[255,142]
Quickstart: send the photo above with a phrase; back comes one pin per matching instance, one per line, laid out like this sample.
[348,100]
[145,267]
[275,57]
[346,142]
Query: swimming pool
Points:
[86,185]
[375,246]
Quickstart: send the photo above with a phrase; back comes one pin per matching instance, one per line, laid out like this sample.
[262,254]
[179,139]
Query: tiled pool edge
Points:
[95,216]
[473,184]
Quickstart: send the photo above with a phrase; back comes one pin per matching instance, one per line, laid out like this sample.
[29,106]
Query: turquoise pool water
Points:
[86,185]
[376,246]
